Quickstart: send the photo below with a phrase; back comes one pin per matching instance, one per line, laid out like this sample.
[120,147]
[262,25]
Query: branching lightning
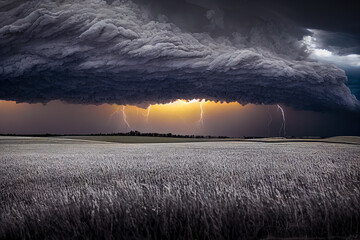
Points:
[115,112]
[283,125]
[201,120]
[125,117]
[148,113]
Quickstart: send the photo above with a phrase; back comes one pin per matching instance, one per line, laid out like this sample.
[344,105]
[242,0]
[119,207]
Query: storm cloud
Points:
[123,52]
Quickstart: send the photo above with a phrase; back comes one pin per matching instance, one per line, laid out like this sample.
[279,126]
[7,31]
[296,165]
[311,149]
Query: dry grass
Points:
[215,190]
[144,139]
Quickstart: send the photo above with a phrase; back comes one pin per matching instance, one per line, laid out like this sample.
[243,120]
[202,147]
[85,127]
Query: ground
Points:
[146,139]
[84,189]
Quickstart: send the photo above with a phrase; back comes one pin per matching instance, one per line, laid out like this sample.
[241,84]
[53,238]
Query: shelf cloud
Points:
[123,52]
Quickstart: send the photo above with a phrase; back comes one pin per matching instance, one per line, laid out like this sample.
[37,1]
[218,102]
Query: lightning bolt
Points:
[115,112]
[125,117]
[148,113]
[201,120]
[283,125]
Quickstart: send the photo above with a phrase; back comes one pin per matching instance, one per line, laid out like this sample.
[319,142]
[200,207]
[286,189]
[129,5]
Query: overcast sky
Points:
[302,55]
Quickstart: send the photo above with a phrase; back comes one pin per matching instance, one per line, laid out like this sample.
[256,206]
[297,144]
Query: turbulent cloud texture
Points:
[95,52]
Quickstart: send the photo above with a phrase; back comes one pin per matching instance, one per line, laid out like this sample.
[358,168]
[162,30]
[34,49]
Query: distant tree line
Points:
[131,133]
[137,133]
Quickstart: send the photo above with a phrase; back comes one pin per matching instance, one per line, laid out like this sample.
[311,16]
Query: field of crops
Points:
[72,189]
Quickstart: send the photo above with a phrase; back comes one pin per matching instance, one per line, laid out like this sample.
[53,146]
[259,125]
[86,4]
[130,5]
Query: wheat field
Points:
[71,189]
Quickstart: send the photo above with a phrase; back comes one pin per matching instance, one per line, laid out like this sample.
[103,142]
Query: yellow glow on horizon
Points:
[180,116]
[187,113]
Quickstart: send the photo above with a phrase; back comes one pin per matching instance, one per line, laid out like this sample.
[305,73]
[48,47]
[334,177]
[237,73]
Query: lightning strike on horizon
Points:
[115,112]
[148,113]
[201,120]
[125,117]
[283,125]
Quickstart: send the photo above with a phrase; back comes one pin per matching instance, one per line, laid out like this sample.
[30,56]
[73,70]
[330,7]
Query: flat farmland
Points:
[54,188]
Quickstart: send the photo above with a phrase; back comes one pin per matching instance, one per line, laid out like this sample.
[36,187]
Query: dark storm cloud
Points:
[337,23]
[131,53]
[328,15]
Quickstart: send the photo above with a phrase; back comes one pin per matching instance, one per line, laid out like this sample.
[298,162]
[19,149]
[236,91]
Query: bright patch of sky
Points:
[324,55]
[350,63]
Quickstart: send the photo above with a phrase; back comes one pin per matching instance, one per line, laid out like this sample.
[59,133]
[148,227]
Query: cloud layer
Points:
[93,52]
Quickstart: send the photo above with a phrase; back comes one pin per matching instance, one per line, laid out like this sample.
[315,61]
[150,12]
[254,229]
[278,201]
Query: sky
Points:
[202,67]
